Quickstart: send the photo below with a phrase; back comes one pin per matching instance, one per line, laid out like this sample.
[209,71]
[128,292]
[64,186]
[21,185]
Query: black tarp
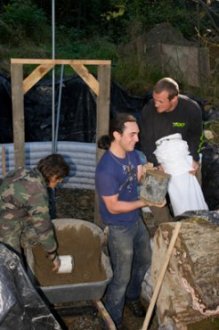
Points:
[210,175]
[21,307]
[77,121]
[6,134]
[210,216]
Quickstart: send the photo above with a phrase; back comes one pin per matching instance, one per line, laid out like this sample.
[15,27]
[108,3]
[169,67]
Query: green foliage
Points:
[74,45]
[136,76]
[94,29]
[174,12]
[23,19]
[99,48]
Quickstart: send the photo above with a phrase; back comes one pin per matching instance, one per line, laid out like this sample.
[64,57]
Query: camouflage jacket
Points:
[24,199]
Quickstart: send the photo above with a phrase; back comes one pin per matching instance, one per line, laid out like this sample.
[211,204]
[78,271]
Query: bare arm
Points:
[115,206]
[56,264]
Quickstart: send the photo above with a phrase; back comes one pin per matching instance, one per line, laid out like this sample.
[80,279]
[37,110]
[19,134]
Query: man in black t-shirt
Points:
[169,112]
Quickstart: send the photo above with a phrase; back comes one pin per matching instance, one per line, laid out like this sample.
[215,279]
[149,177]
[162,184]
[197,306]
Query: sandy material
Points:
[84,246]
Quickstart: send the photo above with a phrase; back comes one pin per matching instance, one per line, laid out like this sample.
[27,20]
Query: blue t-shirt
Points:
[118,176]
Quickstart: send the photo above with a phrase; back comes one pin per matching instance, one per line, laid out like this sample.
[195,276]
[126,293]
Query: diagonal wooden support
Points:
[88,78]
[35,76]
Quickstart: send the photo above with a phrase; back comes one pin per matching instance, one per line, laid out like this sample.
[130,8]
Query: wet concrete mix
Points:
[84,246]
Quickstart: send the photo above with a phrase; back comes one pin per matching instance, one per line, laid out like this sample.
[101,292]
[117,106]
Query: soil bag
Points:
[21,306]
[184,190]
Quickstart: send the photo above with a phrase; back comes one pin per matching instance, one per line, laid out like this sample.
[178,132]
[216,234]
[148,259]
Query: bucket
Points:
[154,186]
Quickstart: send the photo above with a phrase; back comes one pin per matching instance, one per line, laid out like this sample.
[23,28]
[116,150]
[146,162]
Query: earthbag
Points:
[184,190]
[21,306]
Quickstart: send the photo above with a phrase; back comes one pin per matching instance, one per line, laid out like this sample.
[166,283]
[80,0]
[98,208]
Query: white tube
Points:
[66,264]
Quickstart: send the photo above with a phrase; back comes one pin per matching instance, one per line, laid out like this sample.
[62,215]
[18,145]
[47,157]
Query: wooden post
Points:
[103,117]
[18,113]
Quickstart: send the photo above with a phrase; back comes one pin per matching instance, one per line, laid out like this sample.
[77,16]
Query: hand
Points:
[195,167]
[160,205]
[147,166]
[56,264]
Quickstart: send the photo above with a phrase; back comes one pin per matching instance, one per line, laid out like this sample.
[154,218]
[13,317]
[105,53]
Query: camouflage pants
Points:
[17,234]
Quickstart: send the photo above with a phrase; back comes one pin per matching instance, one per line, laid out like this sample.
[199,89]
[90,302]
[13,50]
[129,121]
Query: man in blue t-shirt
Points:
[117,176]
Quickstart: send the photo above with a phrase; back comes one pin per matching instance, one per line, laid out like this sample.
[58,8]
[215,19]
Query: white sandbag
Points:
[184,190]
[185,194]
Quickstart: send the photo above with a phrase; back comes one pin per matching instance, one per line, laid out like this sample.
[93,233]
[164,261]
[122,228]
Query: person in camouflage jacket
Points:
[24,206]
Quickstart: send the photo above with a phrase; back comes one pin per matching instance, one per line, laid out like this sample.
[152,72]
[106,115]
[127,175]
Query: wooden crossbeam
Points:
[54,62]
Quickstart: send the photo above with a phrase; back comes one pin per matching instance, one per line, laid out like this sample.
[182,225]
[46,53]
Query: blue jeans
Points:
[130,255]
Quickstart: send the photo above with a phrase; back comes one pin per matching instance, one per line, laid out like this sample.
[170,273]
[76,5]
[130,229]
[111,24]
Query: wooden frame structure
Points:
[100,87]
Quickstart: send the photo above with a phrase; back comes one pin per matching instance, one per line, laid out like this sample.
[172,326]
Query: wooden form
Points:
[100,86]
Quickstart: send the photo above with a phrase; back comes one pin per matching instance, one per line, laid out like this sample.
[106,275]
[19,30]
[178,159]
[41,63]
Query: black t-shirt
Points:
[185,119]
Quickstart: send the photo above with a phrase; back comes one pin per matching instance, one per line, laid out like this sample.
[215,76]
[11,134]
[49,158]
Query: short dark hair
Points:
[169,85]
[53,165]
[117,124]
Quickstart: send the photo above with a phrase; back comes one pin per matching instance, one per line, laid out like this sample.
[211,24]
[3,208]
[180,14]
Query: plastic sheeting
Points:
[210,175]
[211,216]
[77,121]
[21,307]
[6,110]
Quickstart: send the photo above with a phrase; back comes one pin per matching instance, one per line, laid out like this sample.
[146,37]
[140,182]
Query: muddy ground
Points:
[79,204]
